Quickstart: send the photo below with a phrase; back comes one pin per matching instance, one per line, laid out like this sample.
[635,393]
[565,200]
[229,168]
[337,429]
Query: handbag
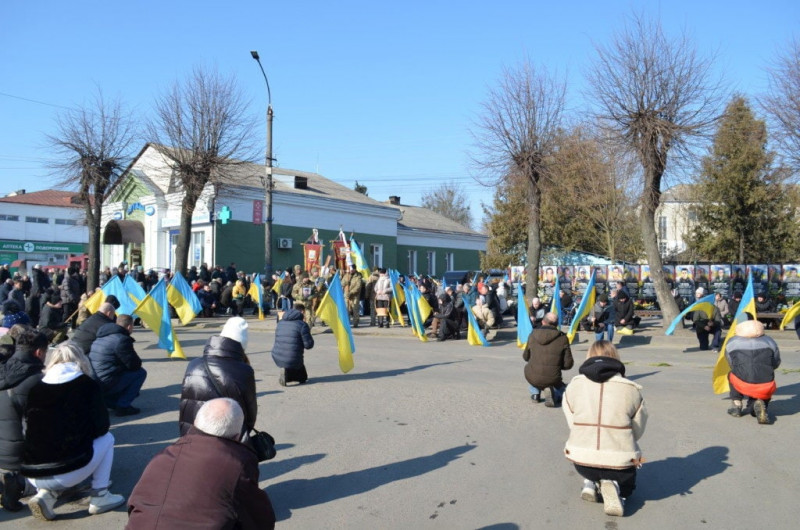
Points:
[261,441]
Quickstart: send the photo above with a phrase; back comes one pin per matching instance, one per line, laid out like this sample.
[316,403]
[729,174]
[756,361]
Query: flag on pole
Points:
[276,287]
[112,287]
[722,368]
[154,311]
[358,259]
[705,304]
[398,298]
[475,336]
[524,326]
[584,308]
[555,306]
[183,299]
[790,314]
[333,311]
[135,291]
[255,295]
[414,313]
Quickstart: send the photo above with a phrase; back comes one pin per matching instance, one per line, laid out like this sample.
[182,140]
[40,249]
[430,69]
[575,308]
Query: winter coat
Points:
[17,376]
[383,288]
[623,310]
[292,337]
[18,296]
[447,310]
[52,317]
[753,359]
[112,354]
[235,378]
[606,415]
[71,289]
[354,286]
[62,419]
[547,353]
[86,333]
[175,492]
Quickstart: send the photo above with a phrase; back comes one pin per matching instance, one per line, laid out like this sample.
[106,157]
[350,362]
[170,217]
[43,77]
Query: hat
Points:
[37,266]
[113,300]
[15,318]
[236,329]
[602,298]
[700,291]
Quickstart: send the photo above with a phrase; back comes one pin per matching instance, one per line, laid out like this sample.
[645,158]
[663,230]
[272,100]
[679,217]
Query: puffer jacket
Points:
[228,365]
[606,415]
[547,353]
[383,288]
[752,356]
[17,376]
[86,333]
[292,338]
[112,354]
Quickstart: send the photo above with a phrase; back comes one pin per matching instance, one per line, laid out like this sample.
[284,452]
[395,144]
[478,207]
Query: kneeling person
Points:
[292,338]
[547,353]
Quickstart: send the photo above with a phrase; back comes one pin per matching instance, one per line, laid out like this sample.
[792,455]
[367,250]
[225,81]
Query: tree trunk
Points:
[650,201]
[93,219]
[185,235]
[534,250]
[741,248]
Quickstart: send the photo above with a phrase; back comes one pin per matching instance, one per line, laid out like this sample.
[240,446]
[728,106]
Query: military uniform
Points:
[353,283]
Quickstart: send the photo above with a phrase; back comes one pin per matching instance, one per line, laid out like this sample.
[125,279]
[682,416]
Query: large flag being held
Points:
[555,306]
[584,308]
[358,259]
[705,304]
[722,368]
[183,299]
[398,298]
[154,311]
[524,325]
[333,311]
[128,292]
[475,336]
[255,295]
[414,307]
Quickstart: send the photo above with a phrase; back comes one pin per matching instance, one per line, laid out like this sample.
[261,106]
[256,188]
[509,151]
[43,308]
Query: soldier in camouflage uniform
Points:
[352,282]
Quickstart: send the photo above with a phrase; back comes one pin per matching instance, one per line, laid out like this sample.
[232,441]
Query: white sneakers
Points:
[104,501]
[42,505]
[589,491]
[613,504]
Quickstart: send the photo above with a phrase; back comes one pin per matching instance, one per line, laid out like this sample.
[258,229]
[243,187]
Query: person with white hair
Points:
[177,491]
[705,327]
[66,435]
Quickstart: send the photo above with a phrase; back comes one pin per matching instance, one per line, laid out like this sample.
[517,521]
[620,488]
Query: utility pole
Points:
[268,179]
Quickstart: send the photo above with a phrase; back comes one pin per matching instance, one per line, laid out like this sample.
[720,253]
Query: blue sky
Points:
[381,93]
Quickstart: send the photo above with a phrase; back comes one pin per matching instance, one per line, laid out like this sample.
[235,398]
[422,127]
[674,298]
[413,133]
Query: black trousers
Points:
[296,374]
[626,478]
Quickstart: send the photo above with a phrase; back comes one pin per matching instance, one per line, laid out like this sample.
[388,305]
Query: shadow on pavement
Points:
[374,375]
[300,493]
[500,526]
[634,377]
[631,341]
[786,407]
[278,467]
[676,476]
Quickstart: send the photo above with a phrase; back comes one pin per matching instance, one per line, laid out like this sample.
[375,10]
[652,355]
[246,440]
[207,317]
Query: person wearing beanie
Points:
[13,314]
[753,358]
[600,319]
[606,415]
[223,371]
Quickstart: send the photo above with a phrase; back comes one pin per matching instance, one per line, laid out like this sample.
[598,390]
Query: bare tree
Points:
[516,133]
[782,102]
[204,131]
[93,144]
[449,200]
[656,96]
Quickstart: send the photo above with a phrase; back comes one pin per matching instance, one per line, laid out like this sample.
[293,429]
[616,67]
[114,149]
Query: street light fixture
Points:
[268,180]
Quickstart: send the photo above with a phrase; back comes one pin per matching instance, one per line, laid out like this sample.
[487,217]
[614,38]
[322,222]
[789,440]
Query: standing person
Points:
[353,284]
[117,366]
[174,490]
[39,284]
[383,297]
[753,358]
[17,376]
[71,295]
[67,438]
[369,298]
[547,353]
[292,338]
[287,286]
[722,307]
[223,371]
[606,415]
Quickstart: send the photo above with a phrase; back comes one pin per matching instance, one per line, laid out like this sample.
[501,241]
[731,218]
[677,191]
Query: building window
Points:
[68,222]
[692,215]
[431,263]
[40,220]
[198,239]
[376,252]
[449,261]
[4,217]
[412,262]
[662,248]
[662,227]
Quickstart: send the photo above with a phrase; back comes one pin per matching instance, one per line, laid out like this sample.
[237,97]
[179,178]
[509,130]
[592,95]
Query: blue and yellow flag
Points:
[524,326]
[333,311]
[555,305]
[705,304]
[276,287]
[135,291]
[719,380]
[255,295]
[183,299]
[475,336]
[115,287]
[790,315]
[398,298]
[412,296]
[154,311]
[358,259]
[584,308]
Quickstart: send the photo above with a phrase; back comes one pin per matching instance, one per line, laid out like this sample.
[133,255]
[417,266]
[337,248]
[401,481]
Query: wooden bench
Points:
[648,313]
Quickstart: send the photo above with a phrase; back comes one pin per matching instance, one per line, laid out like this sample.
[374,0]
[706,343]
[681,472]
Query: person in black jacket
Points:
[292,338]
[66,435]
[51,321]
[448,319]
[86,333]
[17,376]
[117,366]
[223,371]
[623,312]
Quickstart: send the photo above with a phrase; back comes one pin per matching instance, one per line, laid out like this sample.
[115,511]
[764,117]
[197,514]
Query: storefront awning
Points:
[121,232]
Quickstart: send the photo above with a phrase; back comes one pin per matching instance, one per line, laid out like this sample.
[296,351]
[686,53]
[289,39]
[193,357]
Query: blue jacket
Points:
[292,336]
[112,354]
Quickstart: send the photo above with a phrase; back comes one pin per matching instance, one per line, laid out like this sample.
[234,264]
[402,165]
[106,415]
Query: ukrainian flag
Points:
[255,294]
[398,297]
[276,287]
[722,368]
[414,313]
[524,326]
[135,291]
[183,299]
[154,311]
[115,287]
[358,259]
[705,304]
[474,334]
[790,315]
[555,306]
[333,311]
[584,308]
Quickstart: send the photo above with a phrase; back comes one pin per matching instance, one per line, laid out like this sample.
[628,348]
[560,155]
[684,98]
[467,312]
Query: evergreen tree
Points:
[745,213]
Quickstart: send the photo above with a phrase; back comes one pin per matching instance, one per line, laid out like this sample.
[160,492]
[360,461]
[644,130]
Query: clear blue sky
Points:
[383,93]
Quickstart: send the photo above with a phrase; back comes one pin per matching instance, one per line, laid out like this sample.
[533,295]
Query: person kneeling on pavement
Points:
[547,353]
[292,338]
[117,366]
[447,318]
[753,358]
[606,415]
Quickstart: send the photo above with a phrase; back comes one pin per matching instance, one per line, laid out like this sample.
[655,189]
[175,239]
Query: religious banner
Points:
[342,252]
[312,254]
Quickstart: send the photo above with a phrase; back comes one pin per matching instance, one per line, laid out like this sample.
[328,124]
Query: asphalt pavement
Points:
[444,435]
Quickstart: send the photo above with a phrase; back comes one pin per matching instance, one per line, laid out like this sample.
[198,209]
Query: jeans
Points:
[122,393]
[608,329]
[558,391]
[99,468]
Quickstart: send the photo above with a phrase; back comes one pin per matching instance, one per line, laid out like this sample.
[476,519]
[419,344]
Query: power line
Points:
[34,101]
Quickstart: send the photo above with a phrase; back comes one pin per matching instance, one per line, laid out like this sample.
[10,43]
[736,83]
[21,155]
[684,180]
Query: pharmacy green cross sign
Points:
[224,215]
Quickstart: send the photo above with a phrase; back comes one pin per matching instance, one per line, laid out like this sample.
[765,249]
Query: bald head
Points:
[221,417]
[107,309]
[550,319]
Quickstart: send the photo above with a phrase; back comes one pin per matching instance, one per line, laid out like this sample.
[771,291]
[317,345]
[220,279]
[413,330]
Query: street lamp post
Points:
[268,180]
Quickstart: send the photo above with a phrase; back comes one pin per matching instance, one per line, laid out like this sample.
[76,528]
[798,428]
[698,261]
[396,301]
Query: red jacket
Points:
[201,481]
